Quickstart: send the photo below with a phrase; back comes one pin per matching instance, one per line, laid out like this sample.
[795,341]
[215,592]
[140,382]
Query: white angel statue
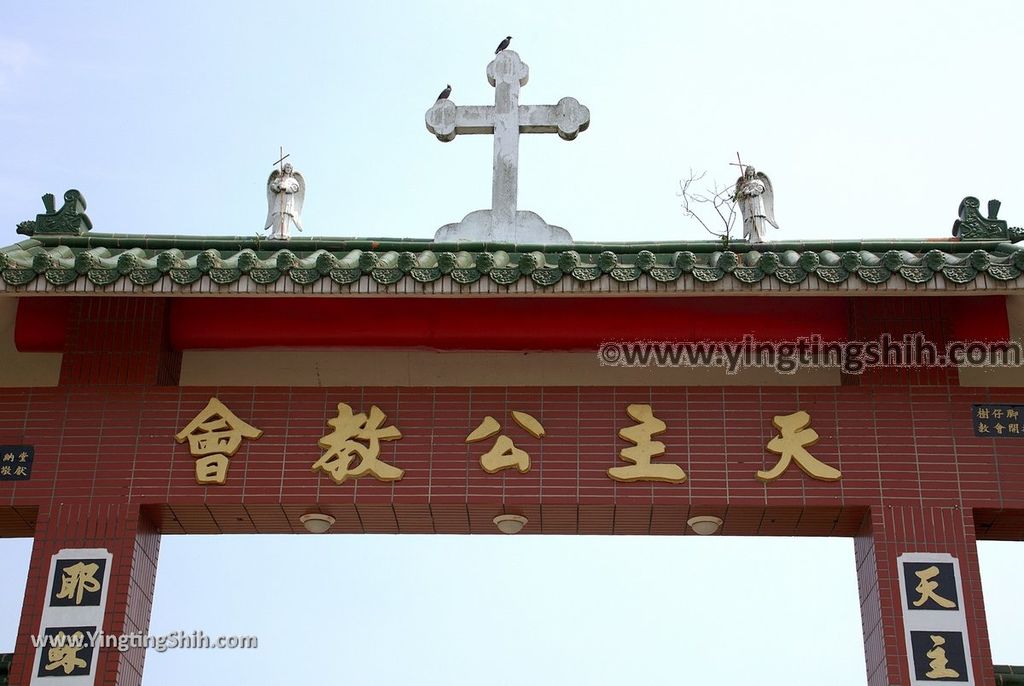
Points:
[286,190]
[757,204]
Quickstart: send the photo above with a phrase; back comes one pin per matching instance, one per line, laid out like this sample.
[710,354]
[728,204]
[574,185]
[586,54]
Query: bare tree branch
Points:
[695,195]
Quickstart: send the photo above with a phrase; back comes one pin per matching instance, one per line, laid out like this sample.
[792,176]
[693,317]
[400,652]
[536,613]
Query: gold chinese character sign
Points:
[504,454]
[63,654]
[16,462]
[997,421]
[353,448]
[926,588]
[795,436]
[644,450]
[213,437]
[78,579]
[939,656]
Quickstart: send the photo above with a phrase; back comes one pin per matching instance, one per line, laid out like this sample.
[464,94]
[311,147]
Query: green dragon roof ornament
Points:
[69,220]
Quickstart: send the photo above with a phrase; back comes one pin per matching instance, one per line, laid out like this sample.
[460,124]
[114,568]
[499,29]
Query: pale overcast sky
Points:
[873,120]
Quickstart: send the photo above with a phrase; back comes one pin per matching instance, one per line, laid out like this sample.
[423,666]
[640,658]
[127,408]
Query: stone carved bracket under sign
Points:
[505,120]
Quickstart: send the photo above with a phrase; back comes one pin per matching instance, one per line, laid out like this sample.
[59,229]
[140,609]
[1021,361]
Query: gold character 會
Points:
[644,450]
[213,437]
[791,444]
[357,437]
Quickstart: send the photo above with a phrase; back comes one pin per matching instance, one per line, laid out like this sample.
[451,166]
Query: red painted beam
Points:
[41,324]
[482,323]
[505,323]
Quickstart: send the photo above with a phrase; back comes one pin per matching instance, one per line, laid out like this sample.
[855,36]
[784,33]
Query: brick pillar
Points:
[887,533]
[135,543]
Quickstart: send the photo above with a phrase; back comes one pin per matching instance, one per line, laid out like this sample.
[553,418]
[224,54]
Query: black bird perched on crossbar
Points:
[445,93]
[503,44]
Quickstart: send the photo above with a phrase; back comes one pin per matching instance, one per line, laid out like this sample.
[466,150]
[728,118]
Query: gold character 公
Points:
[504,454]
[357,436]
[791,444]
[644,450]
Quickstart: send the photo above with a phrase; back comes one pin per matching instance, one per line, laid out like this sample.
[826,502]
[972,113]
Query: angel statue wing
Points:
[768,197]
[300,198]
[272,207]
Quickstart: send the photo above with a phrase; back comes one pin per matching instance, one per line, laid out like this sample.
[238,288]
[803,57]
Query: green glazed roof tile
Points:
[105,258]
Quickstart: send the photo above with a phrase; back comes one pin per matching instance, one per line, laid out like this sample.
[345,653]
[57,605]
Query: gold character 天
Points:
[926,587]
[795,436]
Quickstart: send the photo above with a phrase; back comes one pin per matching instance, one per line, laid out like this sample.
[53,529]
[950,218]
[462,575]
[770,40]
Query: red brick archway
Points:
[108,473]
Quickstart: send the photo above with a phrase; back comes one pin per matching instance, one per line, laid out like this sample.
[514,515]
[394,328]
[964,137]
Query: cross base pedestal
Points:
[480,226]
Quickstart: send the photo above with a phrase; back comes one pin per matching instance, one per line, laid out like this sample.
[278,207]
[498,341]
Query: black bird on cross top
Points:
[445,93]
[503,44]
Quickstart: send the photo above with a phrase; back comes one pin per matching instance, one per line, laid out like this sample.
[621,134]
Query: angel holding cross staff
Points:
[751,198]
[286,191]
[754,195]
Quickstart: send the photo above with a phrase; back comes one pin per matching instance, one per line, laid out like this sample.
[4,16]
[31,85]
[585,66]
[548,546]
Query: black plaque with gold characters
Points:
[939,656]
[930,586]
[77,582]
[16,462]
[934,618]
[998,421]
[67,651]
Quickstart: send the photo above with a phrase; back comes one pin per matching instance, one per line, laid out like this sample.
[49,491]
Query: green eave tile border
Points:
[104,259]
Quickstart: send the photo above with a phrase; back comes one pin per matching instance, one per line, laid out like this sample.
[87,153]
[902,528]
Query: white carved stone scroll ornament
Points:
[505,120]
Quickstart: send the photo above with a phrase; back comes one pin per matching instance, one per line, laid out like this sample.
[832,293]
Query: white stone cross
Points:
[506,119]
